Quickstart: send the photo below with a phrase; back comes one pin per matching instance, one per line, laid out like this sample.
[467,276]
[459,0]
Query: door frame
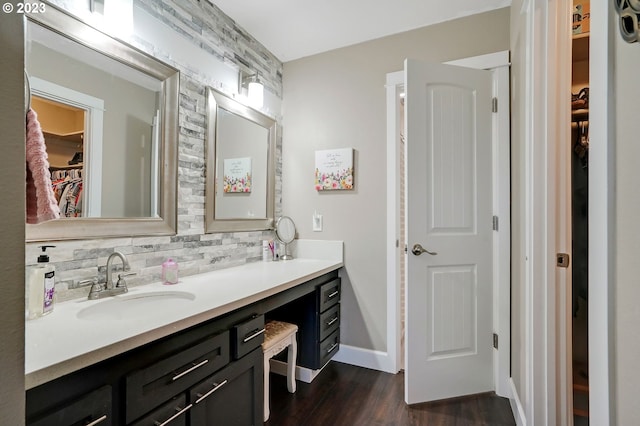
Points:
[601,215]
[546,361]
[499,64]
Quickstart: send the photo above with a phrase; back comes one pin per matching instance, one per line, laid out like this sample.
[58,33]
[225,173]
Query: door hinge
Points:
[495,223]
[406,249]
[562,260]
[495,341]
[494,104]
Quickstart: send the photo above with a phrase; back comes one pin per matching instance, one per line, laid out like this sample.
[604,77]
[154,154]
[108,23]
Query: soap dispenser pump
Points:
[40,285]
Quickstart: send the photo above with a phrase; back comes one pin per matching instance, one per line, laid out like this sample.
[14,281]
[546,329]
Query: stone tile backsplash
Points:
[203,24]
[77,261]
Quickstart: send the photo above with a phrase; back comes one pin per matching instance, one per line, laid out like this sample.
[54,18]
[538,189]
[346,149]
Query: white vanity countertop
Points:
[60,343]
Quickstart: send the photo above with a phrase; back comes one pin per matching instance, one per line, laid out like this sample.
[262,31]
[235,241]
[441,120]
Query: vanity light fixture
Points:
[255,89]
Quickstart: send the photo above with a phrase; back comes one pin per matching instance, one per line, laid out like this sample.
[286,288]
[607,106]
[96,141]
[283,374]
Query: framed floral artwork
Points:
[334,169]
[237,175]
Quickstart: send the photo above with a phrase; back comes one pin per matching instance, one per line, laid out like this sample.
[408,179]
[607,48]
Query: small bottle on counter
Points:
[170,272]
[266,251]
[40,280]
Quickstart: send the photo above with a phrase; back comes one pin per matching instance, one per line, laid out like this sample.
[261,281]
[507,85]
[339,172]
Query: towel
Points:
[41,200]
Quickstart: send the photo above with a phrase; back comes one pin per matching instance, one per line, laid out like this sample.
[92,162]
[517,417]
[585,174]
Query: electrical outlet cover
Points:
[317,222]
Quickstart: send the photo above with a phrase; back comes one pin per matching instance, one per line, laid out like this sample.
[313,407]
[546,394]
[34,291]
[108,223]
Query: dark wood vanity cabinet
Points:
[318,318]
[173,412]
[156,383]
[216,401]
[232,396]
[170,381]
[92,408]
[218,380]
[210,374]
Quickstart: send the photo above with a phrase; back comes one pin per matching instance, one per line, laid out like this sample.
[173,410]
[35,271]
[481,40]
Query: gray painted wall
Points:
[338,100]
[12,175]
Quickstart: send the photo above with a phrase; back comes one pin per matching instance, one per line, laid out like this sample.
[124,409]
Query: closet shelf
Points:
[76,137]
[75,166]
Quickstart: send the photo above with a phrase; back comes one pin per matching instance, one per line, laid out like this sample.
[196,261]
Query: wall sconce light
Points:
[116,16]
[255,89]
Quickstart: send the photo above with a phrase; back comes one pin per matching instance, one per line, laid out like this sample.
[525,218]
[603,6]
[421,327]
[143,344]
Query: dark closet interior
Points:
[580,223]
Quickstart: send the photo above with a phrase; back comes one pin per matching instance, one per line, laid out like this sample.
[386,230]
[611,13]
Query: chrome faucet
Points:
[99,290]
[125,267]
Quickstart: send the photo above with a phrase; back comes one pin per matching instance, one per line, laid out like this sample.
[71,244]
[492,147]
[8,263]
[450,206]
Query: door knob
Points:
[418,250]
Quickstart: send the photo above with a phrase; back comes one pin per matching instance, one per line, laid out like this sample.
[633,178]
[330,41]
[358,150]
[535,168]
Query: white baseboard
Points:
[303,374]
[367,358]
[516,405]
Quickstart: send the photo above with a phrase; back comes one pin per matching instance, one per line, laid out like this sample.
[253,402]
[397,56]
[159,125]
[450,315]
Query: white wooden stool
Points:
[277,337]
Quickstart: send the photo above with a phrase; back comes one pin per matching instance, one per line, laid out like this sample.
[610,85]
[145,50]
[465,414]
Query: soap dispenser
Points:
[40,286]
[170,272]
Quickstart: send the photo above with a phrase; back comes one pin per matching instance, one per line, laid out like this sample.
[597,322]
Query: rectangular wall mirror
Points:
[109,114]
[240,191]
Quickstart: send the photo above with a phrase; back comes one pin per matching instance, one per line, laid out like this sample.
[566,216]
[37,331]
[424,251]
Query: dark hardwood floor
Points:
[351,396]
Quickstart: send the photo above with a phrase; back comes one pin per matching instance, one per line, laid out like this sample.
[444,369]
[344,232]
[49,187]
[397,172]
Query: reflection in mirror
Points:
[240,166]
[109,116]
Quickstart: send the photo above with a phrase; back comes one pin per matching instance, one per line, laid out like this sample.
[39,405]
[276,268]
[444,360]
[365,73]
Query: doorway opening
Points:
[394,360]
[63,127]
[579,146]
[72,123]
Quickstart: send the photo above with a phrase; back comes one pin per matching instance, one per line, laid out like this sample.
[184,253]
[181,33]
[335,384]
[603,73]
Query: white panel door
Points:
[449,213]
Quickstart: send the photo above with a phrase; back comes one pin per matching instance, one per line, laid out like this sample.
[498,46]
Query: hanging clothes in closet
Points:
[67,186]
[580,217]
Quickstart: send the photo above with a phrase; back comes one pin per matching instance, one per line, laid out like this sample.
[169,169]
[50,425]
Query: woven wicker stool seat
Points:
[277,337]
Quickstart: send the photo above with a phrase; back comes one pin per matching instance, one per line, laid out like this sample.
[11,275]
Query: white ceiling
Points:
[293,29]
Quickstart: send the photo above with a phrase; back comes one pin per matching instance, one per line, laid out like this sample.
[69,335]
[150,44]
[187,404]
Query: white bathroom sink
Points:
[136,306]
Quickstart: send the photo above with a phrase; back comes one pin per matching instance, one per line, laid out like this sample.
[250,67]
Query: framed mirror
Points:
[240,185]
[109,114]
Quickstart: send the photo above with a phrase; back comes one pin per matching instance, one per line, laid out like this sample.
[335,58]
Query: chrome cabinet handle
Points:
[254,335]
[332,321]
[99,420]
[179,410]
[206,395]
[332,347]
[334,294]
[418,250]
[195,366]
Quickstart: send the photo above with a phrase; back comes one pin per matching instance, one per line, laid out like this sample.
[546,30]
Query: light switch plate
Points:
[317,222]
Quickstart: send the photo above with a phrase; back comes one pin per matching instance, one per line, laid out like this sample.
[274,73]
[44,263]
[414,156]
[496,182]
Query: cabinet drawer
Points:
[233,396]
[150,386]
[91,409]
[329,321]
[329,294]
[247,336]
[172,413]
[329,347]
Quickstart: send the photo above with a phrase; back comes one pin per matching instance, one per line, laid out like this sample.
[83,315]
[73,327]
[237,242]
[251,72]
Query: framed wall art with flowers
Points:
[334,169]
[237,175]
